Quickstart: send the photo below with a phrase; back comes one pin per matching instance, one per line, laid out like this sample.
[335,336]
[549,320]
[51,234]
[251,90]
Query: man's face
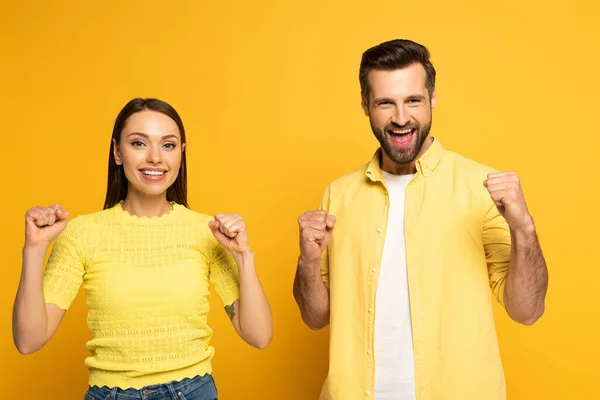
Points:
[399,110]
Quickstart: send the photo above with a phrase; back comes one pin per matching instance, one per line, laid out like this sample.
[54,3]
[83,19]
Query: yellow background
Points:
[269,95]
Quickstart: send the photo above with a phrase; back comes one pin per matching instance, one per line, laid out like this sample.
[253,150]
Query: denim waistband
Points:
[160,391]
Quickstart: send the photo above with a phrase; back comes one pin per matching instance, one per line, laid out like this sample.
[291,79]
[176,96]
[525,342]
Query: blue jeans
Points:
[198,388]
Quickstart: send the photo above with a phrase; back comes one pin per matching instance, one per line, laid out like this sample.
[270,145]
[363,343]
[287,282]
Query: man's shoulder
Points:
[348,181]
[464,165]
[357,176]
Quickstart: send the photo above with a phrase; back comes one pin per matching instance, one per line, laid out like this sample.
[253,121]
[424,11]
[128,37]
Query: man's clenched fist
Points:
[316,227]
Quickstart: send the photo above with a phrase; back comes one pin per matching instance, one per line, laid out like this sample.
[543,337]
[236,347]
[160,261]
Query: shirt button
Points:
[426,170]
[370,309]
[379,230]
[368,393]
[373,269]
[368,351]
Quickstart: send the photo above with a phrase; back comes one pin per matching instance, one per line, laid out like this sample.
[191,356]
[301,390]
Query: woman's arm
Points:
[34,321]
[251,314]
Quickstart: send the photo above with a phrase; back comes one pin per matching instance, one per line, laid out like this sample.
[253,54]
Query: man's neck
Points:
[390,166]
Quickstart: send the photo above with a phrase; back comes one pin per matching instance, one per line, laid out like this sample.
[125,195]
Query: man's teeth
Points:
[154,173]
[402,132]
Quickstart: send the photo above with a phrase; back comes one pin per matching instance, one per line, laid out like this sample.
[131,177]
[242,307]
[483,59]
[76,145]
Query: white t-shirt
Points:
[394,355]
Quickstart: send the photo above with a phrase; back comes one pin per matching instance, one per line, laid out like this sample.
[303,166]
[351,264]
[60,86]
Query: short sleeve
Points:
[324,205]
[224,274]
[66,266]
[496,242]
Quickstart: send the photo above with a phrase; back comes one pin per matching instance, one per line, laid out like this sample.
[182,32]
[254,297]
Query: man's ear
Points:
[364,104]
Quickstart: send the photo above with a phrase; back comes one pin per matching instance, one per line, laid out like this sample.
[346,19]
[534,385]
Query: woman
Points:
[146,262]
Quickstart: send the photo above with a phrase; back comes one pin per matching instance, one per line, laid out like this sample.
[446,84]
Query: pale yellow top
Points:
[147,287]
[457,247]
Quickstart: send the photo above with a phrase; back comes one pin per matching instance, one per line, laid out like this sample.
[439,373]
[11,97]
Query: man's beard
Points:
[402,155]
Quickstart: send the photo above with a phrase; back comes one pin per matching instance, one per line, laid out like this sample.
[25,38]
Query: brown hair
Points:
[391,55]
[116,189]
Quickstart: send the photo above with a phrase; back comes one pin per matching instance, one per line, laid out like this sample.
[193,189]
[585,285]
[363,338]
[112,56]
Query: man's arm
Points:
[527,280]
[310,292]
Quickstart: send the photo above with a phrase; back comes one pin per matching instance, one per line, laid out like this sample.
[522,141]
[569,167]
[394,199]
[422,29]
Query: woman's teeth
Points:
[154,173]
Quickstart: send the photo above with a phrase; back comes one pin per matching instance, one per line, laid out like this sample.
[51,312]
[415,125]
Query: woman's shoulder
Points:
[88,222]
[192,215]
[80,224]
[197,222]
[96,216]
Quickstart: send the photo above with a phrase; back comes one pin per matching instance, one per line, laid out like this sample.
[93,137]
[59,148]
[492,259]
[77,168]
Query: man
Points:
[401,255]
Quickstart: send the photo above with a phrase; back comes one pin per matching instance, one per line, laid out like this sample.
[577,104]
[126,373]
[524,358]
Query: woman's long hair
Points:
[116,189]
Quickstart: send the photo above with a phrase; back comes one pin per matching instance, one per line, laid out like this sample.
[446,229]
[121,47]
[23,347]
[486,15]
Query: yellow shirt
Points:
[147,286]
[457,247]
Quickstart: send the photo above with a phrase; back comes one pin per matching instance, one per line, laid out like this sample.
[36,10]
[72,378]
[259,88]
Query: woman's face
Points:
[150,152]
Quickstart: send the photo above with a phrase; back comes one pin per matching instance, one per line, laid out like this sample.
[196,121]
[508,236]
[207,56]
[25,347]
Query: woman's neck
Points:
[147,206]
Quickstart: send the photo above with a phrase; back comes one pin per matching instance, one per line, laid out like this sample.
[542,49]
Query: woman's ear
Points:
[117,153]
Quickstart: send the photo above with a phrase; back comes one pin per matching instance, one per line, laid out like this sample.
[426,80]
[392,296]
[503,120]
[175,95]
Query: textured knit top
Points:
[147,287]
